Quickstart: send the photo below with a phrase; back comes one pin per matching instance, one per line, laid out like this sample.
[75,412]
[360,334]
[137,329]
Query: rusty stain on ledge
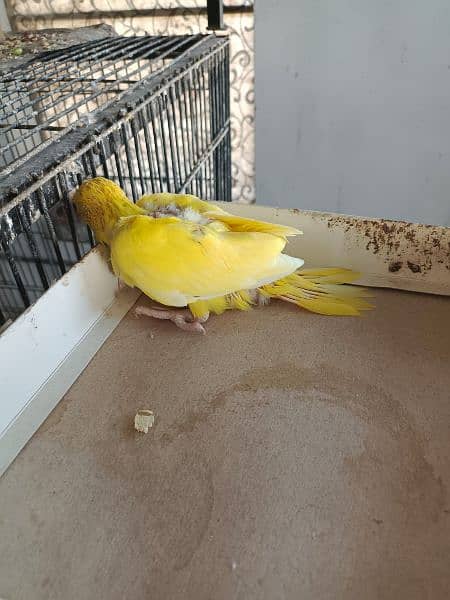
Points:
[404,245]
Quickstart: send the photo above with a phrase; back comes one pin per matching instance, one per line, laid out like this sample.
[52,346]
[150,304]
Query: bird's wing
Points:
[211,211]
[178,262]
[182,201]
[234,223]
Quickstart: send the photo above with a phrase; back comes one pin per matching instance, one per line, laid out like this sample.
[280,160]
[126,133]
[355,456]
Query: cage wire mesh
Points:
[150,113]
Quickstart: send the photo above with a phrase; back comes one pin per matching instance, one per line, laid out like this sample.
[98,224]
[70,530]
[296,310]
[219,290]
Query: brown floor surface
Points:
[293,457]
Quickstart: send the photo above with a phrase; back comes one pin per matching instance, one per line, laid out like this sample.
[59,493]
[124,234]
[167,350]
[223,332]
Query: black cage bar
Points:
[151,113]
[215,14]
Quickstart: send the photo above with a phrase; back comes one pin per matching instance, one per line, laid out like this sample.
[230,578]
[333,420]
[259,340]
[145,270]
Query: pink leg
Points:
[181,317]
[120,287]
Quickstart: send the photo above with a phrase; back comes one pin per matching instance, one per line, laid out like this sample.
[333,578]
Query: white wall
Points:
[4,21]
[353,107]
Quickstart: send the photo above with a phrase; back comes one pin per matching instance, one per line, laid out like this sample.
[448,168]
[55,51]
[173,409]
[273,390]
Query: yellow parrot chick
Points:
[101,203]
[192,258]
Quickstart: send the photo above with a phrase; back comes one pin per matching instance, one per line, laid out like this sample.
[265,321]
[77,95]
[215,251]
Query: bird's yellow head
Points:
[101,203]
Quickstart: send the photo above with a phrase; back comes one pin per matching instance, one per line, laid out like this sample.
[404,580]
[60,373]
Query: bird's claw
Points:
[120,287]
[182,318]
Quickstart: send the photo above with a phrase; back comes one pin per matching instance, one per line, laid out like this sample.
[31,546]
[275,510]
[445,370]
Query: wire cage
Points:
[151,113]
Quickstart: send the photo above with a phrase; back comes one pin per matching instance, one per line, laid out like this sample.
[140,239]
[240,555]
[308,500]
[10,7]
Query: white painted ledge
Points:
[44,351]
[393,254]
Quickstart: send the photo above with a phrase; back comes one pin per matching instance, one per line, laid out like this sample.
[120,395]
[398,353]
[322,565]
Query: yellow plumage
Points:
[208,210]
[182,251]
[101,203]
[177,262]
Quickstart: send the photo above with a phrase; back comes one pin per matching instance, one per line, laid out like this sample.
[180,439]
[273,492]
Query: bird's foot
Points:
[121,285]
[181,317]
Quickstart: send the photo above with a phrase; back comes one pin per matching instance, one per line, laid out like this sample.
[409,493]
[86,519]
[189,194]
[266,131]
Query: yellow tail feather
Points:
[317,290]
[320,291]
